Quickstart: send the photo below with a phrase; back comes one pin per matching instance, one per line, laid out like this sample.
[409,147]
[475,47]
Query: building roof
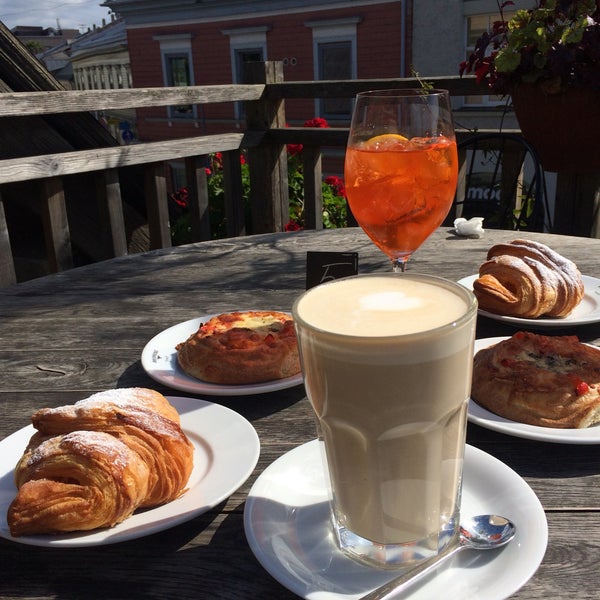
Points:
[100,40]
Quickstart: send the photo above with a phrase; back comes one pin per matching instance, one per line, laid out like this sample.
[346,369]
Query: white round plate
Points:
[480,416]
[159,360]
[226,450]
[286,521]
[586,312]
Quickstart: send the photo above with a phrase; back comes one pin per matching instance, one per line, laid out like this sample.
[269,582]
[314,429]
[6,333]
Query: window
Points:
[246,44]
[176,54]
[335,62]
[243,56]
[334,55]
[476,25]
[177,72]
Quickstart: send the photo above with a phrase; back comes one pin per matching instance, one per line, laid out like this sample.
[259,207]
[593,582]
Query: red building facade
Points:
[207,44]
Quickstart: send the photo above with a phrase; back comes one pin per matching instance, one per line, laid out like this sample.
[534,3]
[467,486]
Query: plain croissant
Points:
[78,481]
[93,463]
[528,279]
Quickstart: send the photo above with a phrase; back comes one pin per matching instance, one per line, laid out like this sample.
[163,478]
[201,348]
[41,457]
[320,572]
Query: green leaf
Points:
[506,61]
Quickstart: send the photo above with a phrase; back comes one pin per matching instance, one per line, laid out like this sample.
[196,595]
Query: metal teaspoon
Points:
[483,532]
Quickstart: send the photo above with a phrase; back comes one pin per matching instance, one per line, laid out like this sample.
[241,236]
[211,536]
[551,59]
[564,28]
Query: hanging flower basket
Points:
[564,128]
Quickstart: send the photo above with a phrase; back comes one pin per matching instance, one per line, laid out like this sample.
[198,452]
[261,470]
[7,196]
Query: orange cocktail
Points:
[401,190]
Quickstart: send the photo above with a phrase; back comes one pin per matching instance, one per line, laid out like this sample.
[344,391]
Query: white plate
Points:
[480,416]
[587,311]
[287,526]
[226,450]
[159,359]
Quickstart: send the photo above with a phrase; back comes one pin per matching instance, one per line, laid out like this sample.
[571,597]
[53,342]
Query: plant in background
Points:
[179,217]
[334,196]
[179,214]
[556,45]
[335,209]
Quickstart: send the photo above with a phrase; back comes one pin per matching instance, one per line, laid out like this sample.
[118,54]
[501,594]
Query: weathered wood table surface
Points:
[68,335]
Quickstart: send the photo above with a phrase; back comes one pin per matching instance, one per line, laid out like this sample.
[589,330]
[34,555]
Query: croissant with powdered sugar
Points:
[93,463]
[528,279]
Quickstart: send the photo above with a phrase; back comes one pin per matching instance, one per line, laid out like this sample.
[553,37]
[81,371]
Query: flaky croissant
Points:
[140,420]
[528,279]
[78,481]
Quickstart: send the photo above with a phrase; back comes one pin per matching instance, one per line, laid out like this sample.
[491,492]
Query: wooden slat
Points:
[315,136]
[313,187]
[67,101]
[157,206]
[110,206]
[232,184]
[56,225]
[70,163]
[198,200]
[269,196]
[7,264]
[456,85]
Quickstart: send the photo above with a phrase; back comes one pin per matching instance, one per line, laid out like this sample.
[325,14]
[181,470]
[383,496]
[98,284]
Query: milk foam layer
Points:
[380,306]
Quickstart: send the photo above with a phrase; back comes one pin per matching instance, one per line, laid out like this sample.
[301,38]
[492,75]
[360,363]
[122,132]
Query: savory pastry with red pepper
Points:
[241,347]
[549,381]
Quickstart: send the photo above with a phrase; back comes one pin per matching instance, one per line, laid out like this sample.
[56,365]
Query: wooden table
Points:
[80,331]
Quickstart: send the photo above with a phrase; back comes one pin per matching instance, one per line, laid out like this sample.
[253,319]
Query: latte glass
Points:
[387,361]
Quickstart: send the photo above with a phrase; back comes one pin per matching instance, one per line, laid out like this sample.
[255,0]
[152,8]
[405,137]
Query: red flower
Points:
[217,161]
[293,149]
[180,197]
[337,183]
[292,226]
[316,122]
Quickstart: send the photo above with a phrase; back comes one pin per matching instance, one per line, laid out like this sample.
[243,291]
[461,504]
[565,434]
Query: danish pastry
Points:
[241,348]
[528,279]
[549,381]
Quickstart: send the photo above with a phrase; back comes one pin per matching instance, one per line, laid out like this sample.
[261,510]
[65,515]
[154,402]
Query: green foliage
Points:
[334,197]
[335,211]
[555,44]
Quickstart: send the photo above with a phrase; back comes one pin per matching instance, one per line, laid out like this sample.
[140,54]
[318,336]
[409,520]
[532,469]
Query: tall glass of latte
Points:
[387,362]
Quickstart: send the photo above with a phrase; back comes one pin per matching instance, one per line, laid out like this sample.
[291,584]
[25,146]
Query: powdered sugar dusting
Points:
[118,397]
[83,443]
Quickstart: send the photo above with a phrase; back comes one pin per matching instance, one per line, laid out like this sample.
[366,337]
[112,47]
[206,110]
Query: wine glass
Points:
[401,167]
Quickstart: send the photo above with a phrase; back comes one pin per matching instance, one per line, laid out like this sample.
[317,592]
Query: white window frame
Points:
[331,31]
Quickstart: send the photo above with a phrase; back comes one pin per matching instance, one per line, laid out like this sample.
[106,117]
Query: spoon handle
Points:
[404,581]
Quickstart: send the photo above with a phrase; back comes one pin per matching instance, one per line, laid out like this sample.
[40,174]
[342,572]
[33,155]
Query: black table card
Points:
[326,266]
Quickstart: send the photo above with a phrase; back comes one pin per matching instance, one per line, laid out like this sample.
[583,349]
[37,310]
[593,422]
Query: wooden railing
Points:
[263,140]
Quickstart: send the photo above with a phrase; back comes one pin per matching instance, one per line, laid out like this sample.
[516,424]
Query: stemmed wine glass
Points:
[401,167]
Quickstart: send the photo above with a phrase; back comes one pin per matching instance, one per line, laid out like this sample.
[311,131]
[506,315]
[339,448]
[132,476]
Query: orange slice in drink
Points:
[385,141]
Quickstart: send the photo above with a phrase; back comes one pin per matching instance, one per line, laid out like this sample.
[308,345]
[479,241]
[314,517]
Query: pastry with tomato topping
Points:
[241,347]
[549,381]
